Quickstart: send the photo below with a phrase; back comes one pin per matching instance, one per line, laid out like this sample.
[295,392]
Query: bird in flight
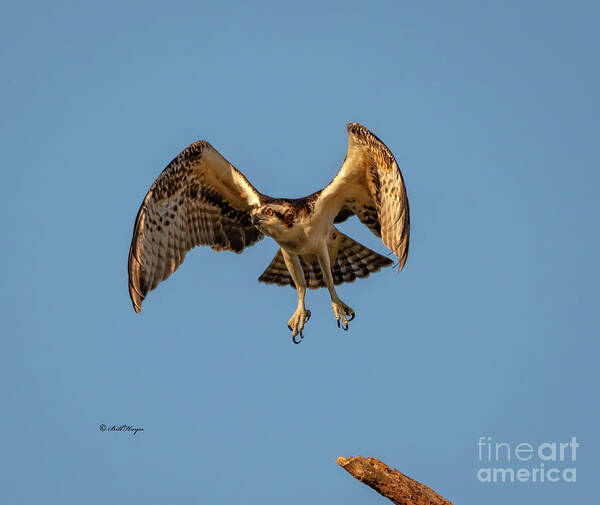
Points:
[201,199]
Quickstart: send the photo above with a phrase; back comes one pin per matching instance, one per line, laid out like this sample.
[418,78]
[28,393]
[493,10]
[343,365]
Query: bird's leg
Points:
[301,315]
[340,309]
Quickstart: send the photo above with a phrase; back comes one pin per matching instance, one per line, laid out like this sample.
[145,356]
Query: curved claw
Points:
[296,324]
[343,314]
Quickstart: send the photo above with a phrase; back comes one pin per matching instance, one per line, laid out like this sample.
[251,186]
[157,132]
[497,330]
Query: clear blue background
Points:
[491,109]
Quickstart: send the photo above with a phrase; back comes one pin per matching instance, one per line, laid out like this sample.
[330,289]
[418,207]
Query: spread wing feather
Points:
[198,199]
[370,186]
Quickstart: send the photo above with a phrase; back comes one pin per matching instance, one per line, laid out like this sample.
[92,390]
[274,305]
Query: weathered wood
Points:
[390,483]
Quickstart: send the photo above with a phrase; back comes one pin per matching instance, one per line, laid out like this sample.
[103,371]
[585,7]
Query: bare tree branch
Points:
[390,483]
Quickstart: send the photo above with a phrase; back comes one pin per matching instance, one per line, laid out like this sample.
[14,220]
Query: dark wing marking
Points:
[343,214]
[370,185]
[198,199]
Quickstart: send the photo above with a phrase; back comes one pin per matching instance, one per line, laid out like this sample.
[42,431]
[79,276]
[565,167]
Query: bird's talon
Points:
[296,324]
[343,314]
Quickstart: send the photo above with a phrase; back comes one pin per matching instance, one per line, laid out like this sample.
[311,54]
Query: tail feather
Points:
[277,272]
[349,261]
[354,261]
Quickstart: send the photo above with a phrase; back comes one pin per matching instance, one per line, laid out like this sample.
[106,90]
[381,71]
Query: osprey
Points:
[201,199]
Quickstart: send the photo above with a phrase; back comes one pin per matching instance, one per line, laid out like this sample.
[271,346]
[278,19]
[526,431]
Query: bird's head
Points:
[274,218]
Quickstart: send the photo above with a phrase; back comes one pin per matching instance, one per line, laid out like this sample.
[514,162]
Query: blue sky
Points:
[491,110]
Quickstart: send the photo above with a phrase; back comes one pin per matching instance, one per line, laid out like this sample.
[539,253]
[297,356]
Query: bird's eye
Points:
[269,212]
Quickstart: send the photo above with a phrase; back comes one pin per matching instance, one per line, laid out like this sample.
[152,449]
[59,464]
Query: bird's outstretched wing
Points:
[198,199]
[370,185]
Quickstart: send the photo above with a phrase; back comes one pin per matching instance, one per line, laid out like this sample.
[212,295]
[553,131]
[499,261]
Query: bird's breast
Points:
[302,239]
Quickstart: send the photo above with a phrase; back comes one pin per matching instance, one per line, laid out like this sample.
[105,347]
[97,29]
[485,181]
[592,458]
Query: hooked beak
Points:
[256,219]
